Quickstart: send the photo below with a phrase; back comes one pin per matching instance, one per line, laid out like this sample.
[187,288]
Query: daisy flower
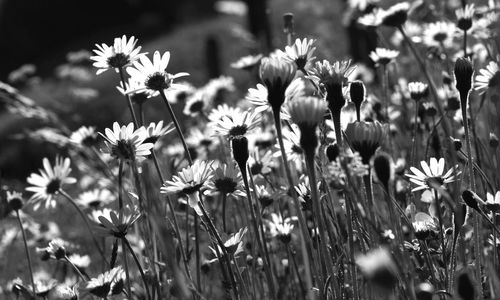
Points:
[432,174]
[152,76]
[439,34]
[493,202]
[238,124]
[280,228]
[227,180]
[156,130]
[464,16]
[47,184]
[366,137]
[258,96]
[84,136]
[183,90]
[488,77]
[301,53]
[196,104]
[107,283]
[95,198]
[189,182]
[394,16]
[276,73]
[112,225]
[307,111]
[234,244]
[134,89]
[223,111]
[424,225]
[122,53]
[330,76]
[259,163]
[291,141]
[247,62]
[126,143]
[382,56]
[418,90]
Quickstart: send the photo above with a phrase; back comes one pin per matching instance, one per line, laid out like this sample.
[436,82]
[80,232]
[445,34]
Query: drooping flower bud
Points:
[357,92]
[240,150]
[384,170]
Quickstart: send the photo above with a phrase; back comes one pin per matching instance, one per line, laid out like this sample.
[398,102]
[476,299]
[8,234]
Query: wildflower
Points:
[247,62]
[394,16]
[307,112]
[183,90]
[223,111]
[304,194]
[264,197]
[259,96]
[418,90]
[84,136]
[126,143]
[189,182]
[227,180]
[432,174]
[424,225]
[152,76]
[95,198]
[156,130]
[261,164]
[488,78]
[280,228]
[116,226]
[291,141]
[214,90]
[107,283]
[383,57]
[234,244]
[366,138]
[123,53]
[240,123]
[196,104]
[15,200]
[276,73]
[439,34]
[301,53]
[378,266]
[134,89]
[64,292]
[55,250]
[48,183]
[464,17]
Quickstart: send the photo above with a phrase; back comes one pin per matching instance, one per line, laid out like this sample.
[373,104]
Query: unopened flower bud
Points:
[384,170]
[471,199]
[288,23]
[463,77]
[332,152]
[240,150]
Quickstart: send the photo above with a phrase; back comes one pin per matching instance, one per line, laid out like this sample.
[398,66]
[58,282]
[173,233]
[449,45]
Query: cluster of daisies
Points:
[320,181]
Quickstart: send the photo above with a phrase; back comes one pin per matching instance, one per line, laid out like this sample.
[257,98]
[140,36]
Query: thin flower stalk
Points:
[350,236]
[129,100]
[84,278]
[305,246]
[28,257]
[125,265]
[177,127]
[441,237]
[85,219]
[141,271]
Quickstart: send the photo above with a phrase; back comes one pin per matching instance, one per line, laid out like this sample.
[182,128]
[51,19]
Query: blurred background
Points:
[45,47]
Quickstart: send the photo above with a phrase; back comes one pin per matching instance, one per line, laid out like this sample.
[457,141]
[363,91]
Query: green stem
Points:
[350,236]
[441,237]
[125,265]
[87,224]
[127,96]
[32,278]
[84,278]
[305,246]
[143,276]
[177,127]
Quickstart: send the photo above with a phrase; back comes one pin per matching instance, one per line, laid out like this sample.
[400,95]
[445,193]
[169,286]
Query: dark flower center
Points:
[53,186]
[124,150]
[433,181]
[157,81]
[89,141]
[191,189]
[225,185]
[440,36]
[238,130]
[301,62]
[119,60]
[197,106]
[256,168]
[102,290]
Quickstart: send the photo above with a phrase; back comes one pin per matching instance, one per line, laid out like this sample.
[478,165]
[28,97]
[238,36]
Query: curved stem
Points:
[257,232]
[32,278]
[305,246]
[127,96]
[143,276]
[177,127]
[125,265]
[84,278]
[87,224]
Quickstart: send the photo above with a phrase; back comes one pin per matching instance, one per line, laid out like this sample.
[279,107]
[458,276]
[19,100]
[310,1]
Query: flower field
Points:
[309,176]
